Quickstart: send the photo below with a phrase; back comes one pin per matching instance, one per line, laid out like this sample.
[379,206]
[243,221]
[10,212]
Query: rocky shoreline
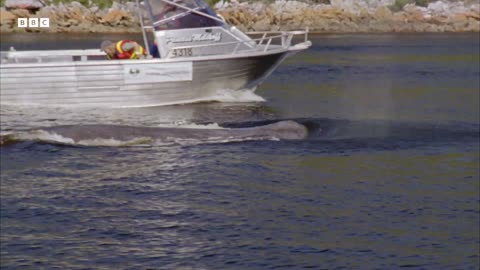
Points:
[340,16]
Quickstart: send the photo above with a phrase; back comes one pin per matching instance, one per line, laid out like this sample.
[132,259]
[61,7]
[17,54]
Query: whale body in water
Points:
[96,134]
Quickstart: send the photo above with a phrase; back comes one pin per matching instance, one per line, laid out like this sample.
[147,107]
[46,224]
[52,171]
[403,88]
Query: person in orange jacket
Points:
[123,49]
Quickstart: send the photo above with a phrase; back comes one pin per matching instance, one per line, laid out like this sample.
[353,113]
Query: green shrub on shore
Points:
[399,4]
[87,3]
[212,2]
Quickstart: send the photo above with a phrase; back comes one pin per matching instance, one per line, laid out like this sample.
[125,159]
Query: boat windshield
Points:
[181,14]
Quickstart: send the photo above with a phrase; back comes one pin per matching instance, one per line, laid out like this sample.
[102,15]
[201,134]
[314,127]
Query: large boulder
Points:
[24,4]
[115,17]
[6,17]
[7,21]
[261,25]
[383,14]
[21,13]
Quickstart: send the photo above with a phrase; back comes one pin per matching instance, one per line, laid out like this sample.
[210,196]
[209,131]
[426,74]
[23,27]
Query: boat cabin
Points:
[192,28]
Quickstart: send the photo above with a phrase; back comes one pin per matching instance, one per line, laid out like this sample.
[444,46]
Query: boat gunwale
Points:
[107,62]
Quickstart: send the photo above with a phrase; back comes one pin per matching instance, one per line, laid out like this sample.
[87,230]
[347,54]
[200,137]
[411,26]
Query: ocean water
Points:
[388,177]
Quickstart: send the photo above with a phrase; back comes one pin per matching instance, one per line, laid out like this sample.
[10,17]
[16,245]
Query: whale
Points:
[94,134]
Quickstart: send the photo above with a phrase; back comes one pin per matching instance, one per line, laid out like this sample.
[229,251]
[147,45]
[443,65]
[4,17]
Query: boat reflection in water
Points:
[199,55]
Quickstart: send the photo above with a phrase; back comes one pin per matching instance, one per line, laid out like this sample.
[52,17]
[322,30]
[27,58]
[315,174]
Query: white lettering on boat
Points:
[215,37]
[182,52]
[156,73]
[207,37]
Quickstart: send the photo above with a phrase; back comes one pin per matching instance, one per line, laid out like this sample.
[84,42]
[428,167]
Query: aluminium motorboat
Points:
[199,54]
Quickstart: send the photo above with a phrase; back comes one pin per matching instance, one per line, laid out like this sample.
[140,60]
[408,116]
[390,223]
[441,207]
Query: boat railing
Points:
[264,43]
[42,56]
[267,41]
[265,34]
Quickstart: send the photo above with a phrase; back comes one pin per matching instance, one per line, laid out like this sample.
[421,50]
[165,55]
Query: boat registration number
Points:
[182,52]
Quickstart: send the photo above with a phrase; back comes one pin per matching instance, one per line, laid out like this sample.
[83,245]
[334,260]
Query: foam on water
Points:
[212,140]
[42,135]
[244,95]
[54,138]
[182,124]
[222,95]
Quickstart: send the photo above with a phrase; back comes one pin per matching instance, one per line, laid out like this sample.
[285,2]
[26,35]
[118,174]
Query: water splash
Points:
[244,95]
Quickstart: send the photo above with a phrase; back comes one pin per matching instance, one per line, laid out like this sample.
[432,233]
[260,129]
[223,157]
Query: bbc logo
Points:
[33,22]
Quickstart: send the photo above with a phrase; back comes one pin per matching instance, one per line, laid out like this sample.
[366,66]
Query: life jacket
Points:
[130,54]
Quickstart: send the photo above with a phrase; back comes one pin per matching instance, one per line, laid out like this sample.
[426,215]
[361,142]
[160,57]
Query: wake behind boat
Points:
[199,55]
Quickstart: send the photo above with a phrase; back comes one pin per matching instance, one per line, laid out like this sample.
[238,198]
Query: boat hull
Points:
[132,83]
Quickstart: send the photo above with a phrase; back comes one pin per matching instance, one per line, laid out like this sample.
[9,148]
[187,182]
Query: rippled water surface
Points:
[388,177]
